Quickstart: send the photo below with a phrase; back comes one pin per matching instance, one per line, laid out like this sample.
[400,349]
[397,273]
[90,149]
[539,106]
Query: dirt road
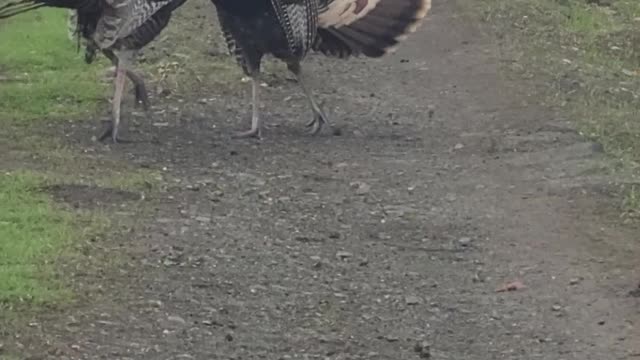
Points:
[446,182]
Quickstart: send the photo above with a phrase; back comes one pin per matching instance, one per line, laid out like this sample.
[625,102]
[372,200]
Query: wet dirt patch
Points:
[89,196]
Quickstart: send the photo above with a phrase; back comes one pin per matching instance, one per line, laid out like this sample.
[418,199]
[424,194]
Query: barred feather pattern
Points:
[288,29]
[151,28]
[299,21]
[369,27]
[121,18]
[234,48]
[117,24]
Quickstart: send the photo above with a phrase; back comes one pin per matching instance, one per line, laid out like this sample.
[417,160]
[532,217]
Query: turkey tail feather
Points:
[369,27]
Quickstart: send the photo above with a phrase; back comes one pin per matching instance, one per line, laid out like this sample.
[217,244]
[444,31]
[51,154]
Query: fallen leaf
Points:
[512,286]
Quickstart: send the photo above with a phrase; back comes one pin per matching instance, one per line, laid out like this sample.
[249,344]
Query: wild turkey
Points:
[289,29]
[72,32]
[118,29]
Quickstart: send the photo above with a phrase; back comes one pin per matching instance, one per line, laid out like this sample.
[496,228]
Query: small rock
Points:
[106,323]
[423,349]
[601,322]
[169,262]
[177,319]
[211,323]
[391,338]
[465,241]
[459,146]
[75,347]
[343,255]
[361,188]
[413,300]
[478,277]
[574,281]
[629,72]
[185,356]
[556,308]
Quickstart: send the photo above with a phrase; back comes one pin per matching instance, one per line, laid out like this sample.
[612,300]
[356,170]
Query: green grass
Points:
[33,234]
[41,73]
[44,244]
[591,57]
[43,77]
[8,357]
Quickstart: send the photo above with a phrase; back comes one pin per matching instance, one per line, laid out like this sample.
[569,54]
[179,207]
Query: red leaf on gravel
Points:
[512,286]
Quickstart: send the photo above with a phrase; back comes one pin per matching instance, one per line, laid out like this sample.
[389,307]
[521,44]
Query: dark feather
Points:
[366,29]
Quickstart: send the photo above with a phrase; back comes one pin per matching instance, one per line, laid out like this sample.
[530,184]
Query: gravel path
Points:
[385,242]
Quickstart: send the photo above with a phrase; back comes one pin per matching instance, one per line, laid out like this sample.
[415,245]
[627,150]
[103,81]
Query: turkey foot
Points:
[112,133]
[319,120]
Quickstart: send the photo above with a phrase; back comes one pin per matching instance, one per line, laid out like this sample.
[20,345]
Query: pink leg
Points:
[121,73]
[255,115]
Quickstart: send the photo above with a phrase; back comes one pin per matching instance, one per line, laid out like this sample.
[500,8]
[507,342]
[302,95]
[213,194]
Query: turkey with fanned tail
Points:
[118,29]
[289,29]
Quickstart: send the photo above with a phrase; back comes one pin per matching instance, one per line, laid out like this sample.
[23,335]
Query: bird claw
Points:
[253,133]
[319,120]
[110,133]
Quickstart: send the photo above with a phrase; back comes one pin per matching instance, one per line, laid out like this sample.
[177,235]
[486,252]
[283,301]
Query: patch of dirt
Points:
[86,196]
[387,242]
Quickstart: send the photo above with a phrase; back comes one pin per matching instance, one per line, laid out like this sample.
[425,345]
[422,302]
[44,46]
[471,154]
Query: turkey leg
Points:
[319,117]
[255,116]
[140,89]
[112,130]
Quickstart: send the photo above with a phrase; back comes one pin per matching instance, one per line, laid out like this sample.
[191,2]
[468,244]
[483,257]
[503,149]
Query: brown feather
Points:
[369,27]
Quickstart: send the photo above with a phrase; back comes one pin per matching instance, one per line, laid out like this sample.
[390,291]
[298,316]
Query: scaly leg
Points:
[255,116]
[319,117]
[112,130]
[142,97]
